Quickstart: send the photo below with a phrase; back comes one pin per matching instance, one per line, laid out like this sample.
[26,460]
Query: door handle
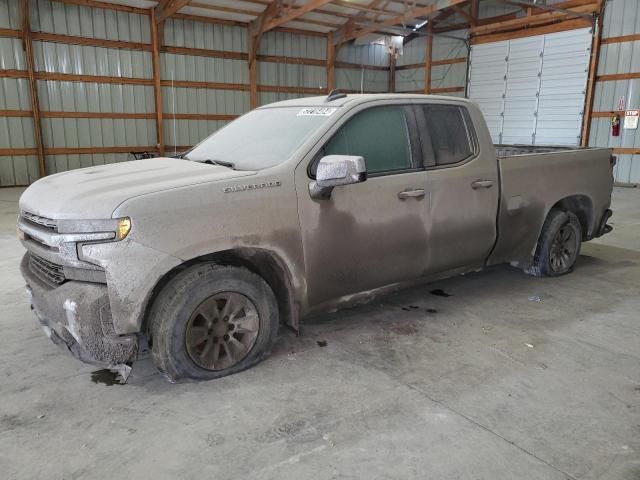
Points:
[417,193]
[478,184]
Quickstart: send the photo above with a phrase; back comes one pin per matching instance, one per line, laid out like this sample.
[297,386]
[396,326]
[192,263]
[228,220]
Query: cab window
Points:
[449,135]
[379,134]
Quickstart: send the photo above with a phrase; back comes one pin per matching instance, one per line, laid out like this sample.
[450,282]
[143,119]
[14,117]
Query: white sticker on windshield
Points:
[316,111]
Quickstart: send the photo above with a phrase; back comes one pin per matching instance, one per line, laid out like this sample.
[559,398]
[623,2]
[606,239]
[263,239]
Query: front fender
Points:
[132,270]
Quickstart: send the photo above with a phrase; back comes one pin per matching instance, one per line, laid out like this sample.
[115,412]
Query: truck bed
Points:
[503,151]
[533,179]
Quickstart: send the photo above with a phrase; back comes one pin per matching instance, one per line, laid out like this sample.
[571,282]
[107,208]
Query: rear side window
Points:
[379,134]
[450,138]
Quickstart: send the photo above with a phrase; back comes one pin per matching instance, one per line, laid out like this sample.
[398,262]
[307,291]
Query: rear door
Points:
[369,234]
[462,188]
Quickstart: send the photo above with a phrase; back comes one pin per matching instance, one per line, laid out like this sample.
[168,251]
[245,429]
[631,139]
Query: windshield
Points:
[262,138]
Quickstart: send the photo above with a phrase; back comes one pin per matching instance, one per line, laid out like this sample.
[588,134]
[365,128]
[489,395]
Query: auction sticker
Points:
[316,111]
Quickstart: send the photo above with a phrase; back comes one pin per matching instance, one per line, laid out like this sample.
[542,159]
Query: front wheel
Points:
[211,321]
[559,245]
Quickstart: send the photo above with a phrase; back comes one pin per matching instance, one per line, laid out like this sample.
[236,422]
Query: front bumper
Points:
[77,316]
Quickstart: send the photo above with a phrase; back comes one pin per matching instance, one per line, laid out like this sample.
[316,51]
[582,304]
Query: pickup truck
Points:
[295,208]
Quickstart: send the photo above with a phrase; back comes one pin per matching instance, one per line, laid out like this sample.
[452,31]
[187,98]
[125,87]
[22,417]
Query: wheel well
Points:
[582,207]
[259,261]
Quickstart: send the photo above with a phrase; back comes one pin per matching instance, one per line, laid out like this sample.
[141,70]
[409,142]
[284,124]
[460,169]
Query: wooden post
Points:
[253,70]
[475,11]
[392,73]
[331,63]
[593,71]
[157,87]
[33,87]
[428,59]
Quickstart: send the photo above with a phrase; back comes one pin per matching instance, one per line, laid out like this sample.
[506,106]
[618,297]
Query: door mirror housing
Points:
[336,170]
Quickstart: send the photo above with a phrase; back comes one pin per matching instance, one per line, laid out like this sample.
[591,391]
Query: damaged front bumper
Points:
[76,315]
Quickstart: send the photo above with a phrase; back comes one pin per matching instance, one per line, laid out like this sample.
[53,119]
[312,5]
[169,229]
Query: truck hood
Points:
[95,192]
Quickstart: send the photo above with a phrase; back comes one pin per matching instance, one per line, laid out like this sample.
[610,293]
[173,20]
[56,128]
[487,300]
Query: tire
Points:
[194,331]
[558,247]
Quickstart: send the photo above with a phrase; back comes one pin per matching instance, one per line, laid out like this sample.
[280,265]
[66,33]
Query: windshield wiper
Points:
[222,163]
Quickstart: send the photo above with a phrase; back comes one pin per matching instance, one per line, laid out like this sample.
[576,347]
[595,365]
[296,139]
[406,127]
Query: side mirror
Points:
[336,170]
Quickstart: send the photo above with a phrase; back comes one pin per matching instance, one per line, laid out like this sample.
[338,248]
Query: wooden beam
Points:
[210,20]
[364,8]
[294,13]
[608,114]
[627,151]
[33,87]
[392,73]
[255,31]
[15,113]
[204,52]
[93,42]
[533,31]
[157,87]
[360,66]
[254,13]
[591,83]
[623,38]
[428,59]
[437,91]
[297,90]
[166,8]
[107,6]
[467,16]
[253,83]
[10,32]
[617,76]
[13,74]
[10,152]
[409,15]
[208,85]
[434,63]
[332,51]
[71,77]
[523,22]
[475,12]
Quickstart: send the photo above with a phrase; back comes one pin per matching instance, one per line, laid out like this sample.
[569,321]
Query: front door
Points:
[370,234]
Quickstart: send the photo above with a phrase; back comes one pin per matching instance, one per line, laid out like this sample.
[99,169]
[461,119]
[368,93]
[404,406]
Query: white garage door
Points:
[531,90]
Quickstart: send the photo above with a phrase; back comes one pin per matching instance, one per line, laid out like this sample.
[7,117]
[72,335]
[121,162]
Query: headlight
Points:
[124,225]
[112,229]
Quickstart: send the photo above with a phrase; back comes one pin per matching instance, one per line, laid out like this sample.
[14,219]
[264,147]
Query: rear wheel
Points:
[211,321]
[559,245]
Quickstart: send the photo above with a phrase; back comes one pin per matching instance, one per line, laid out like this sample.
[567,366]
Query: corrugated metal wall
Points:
[357,77]
[621,18]
[200,91]
[176,68]
[291,76]
[445,77]
[15,132]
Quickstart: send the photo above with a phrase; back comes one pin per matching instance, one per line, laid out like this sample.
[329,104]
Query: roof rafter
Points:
[342,35]
[294,13]
[166,8]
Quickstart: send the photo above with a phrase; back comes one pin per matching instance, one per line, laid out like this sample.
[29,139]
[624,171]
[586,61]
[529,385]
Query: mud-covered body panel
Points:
[332,251]
[77,316]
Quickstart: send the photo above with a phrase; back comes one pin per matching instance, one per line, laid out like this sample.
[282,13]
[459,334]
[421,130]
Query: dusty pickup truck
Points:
[295,208]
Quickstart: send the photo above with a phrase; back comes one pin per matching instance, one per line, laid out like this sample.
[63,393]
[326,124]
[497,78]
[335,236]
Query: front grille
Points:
[48,272]
[44,222]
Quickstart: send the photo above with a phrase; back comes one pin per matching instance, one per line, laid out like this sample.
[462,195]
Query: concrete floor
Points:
[511,377]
